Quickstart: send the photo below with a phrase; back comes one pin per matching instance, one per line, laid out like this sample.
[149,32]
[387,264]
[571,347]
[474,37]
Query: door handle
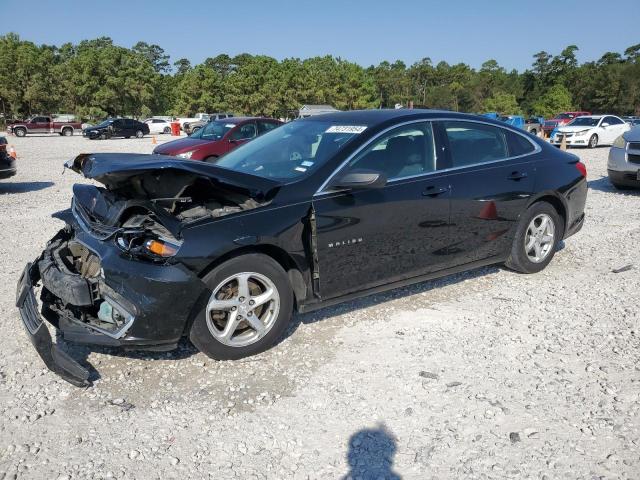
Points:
[432,191]
[517,175]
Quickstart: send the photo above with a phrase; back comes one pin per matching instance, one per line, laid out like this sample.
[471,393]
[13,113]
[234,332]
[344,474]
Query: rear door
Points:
[492,177]
[367,238]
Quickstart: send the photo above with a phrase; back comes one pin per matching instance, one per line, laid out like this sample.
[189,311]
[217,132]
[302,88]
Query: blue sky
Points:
[366,32]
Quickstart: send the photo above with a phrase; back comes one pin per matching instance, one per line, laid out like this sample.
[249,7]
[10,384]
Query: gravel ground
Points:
[487,374]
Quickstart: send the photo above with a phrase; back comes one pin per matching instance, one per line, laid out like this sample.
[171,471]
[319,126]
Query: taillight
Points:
[582,168]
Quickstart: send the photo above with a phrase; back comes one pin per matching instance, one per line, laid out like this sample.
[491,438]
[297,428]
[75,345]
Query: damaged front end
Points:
[113,275]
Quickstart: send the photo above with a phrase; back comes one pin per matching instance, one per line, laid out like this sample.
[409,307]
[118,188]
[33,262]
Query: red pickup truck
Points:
[44,124]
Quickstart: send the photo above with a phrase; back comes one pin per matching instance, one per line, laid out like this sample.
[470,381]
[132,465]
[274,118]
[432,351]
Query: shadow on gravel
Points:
[604,185]
[23,187]
[371,453]
[394,294]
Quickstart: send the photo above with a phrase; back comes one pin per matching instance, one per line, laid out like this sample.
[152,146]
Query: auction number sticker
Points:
[346,129]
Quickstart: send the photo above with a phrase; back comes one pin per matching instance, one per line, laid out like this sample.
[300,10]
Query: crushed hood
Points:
[115,170]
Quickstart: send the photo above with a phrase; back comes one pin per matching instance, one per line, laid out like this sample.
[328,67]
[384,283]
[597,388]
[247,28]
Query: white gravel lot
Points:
[487,374]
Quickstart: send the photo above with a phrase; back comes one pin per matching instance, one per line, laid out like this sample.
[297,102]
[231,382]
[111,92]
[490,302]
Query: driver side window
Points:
[245,132]
[403,152]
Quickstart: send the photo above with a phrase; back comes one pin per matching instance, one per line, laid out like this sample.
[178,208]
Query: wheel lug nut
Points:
[233,309]
[251,302]
[249,314]
[241,299]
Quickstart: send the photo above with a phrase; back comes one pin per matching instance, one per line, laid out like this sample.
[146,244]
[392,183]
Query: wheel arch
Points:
[279,255]
[557,202]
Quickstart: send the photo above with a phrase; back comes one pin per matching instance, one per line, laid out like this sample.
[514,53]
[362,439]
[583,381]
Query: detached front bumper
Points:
[114,301]
[55,359]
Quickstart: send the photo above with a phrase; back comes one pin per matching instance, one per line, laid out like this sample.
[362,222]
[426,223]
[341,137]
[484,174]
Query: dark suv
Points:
[118,127]
[7,163]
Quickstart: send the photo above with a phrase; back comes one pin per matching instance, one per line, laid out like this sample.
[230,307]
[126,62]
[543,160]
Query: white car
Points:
[591,131]
[158,126]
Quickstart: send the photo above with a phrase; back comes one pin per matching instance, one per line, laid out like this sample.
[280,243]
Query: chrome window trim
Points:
[537,149]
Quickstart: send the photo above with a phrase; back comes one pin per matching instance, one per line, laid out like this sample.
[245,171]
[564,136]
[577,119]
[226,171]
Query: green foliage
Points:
[96,78]
[504,103]
[556,99]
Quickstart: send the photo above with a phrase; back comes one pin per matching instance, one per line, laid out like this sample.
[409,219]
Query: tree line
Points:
[96,78]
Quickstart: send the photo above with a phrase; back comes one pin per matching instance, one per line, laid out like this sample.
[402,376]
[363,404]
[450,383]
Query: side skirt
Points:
[310,307]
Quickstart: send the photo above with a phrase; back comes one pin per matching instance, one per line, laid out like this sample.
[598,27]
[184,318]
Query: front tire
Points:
[249,308]
[20,132]
[538,233]
[166,130]
[593,141]
[67,132]
[211,159]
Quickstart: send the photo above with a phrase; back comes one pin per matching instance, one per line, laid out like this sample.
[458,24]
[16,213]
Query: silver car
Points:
[624,160]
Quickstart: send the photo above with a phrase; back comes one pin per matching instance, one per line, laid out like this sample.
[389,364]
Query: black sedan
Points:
[315,212]
[7,162]
[117,127]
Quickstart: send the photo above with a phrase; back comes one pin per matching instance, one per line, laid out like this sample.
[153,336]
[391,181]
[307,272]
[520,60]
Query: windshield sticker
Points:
[346,129]
[300,169]
[230,125]
[307,163]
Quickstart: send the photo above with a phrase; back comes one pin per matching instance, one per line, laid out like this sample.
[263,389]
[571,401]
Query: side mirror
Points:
[605,125]
[360,180]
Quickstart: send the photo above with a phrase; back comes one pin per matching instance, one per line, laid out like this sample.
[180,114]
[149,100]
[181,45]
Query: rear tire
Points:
[139,134]
[534,245]
[593,141]
[230,308]
[67,132]
[166,130]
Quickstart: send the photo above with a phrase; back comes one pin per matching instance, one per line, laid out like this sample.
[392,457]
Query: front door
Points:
[370,237]
[241,134]
[492,179]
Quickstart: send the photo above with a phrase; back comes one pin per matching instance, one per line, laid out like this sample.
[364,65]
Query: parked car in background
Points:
[623,165]
[7,162]
[117,127]
[192,127]
[560,120]
[316,212]
[531,125]
[632,120]
[217,138]
[199,117]
[45,124]
[158,125]
[590,131]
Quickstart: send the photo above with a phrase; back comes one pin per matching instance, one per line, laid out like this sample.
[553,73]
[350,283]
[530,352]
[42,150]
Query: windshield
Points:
[584,122]
[564,116]
[105,123]
[291,151]
[213,130]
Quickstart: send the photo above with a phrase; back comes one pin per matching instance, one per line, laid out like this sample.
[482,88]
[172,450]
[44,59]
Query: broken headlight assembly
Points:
[148,247]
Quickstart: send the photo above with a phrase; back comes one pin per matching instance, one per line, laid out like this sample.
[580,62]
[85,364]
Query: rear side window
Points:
[472,143]
[518,145]
[264,127]
[245,132]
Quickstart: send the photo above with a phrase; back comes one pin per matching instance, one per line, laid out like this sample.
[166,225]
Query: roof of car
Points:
[373,117]
[241,119]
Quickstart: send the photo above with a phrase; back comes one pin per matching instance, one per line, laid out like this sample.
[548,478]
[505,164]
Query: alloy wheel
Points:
[540,238]
[242,309]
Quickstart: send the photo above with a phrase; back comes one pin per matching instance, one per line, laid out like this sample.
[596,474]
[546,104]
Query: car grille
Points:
[633,158]
[634,145]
